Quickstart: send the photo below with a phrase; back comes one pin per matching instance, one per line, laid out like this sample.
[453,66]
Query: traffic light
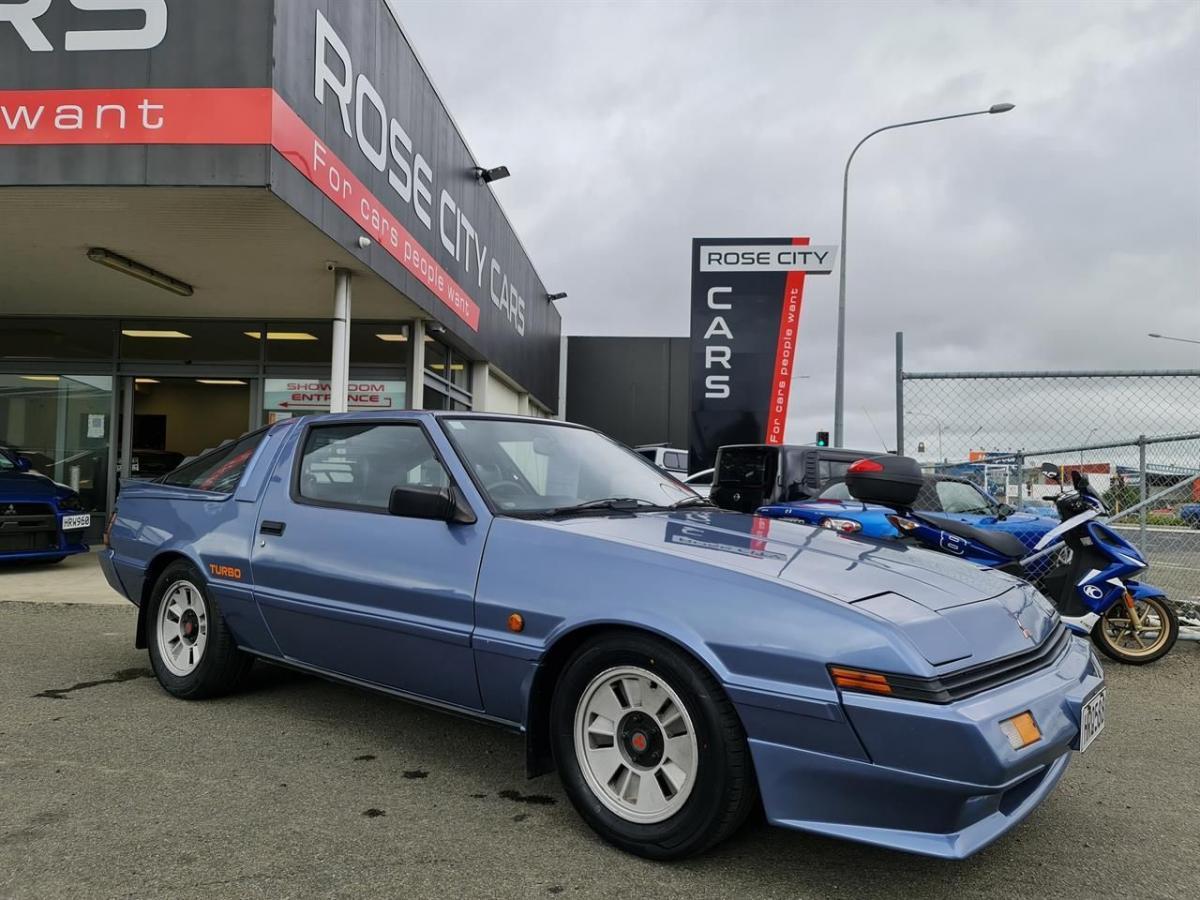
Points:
[822,438]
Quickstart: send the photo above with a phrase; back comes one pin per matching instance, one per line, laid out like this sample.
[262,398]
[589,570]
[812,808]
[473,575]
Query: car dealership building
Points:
[216,214]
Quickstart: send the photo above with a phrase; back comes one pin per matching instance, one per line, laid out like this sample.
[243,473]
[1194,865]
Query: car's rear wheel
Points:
[650,750]
[192,651]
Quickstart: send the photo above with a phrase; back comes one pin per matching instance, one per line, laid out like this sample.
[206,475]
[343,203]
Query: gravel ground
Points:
[299,787]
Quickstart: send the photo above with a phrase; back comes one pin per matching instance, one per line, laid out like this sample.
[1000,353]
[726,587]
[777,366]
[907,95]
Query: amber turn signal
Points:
[1021,730]
[858,680]
[516,622]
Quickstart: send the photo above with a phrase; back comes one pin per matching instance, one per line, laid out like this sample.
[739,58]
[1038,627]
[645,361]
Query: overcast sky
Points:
[1053,236]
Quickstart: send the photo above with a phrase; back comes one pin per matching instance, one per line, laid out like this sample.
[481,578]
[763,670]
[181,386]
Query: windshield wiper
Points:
[692,501]
[625,504]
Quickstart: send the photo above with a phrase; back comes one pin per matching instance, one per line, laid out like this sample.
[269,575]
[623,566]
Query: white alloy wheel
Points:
[182,628]
[635,745]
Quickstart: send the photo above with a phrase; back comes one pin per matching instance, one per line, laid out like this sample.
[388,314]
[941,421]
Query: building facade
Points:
[215,211]
[634,389]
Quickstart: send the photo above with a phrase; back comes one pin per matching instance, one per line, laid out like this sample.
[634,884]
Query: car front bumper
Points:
[938,780]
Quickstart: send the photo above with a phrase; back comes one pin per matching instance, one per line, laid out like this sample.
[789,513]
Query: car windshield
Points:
[533,467]
[960,497]
[836,491]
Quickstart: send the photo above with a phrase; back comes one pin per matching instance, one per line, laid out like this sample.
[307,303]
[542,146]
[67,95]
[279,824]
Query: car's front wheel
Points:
[650,750]
[192,650]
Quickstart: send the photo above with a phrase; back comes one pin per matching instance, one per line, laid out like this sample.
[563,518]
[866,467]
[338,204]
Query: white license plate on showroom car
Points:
[72,523]
[1091,719]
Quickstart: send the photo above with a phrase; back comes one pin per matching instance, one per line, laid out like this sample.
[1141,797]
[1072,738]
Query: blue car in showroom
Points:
[674,662]
[40,520]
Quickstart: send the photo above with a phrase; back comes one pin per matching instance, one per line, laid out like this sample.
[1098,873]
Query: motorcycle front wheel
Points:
[1118,638]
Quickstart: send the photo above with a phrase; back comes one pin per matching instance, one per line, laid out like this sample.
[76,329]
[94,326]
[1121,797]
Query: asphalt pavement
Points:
[298,787]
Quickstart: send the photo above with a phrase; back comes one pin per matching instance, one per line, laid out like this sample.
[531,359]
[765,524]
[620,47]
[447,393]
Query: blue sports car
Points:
[40,520]
[674,662]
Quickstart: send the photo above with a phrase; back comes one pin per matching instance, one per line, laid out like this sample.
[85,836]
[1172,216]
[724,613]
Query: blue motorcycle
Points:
[1091,582]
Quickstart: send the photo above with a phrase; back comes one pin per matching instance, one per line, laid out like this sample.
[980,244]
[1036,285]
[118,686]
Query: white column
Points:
[481,374]
[416,365]
[339,378]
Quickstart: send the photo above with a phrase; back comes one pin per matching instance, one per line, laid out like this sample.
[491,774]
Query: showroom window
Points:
[56,339]
[447,377]
[189,341]
[62,425]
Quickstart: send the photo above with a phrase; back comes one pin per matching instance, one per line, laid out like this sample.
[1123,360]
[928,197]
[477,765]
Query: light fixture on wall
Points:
[554,298]
[487,176]
[136,270]
[392,338]
[219,381]
[281,335]
[149,333]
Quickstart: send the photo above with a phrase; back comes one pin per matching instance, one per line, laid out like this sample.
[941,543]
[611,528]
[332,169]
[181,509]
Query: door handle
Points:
[275,528]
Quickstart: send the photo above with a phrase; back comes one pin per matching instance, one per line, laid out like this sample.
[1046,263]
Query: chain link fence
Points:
[1135,434]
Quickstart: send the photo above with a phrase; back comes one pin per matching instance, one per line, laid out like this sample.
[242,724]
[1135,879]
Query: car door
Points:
[349,588]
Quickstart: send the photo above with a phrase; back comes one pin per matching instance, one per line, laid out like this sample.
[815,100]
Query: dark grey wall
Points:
[634,389]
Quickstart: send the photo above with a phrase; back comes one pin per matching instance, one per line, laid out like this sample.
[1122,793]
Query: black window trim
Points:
[302,442]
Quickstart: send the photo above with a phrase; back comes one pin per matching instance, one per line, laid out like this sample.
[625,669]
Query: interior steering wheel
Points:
[511,488]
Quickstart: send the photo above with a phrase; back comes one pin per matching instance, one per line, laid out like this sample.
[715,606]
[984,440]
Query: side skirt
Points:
[427,702]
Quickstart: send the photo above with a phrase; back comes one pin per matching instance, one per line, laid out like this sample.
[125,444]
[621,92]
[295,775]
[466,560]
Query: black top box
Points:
[886,480]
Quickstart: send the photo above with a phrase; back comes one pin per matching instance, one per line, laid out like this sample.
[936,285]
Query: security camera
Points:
[330,266]
[364,242]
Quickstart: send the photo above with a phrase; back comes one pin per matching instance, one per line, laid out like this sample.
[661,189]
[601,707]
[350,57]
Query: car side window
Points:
[220,470]
[358,465]
[674,461]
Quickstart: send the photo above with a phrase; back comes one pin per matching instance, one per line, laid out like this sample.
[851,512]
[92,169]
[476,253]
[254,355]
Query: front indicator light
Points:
[1021,730]
[858,680]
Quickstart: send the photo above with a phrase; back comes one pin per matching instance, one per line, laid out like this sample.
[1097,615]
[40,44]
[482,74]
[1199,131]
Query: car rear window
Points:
[219,470]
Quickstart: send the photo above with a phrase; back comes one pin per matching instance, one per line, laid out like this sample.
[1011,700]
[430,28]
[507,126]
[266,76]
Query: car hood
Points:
[816,559]
[949,609]
[27,486]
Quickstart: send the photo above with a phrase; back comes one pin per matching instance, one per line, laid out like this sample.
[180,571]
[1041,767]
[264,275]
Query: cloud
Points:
[1054,236]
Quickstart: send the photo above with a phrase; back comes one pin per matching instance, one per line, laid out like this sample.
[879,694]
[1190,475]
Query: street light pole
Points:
[1167,337]
[840,376]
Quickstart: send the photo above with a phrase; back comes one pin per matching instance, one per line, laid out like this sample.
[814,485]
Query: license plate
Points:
[72,523]
[1091,719]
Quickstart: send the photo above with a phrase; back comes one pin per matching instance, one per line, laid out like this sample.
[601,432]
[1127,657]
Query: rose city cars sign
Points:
[746,300]
[326,104]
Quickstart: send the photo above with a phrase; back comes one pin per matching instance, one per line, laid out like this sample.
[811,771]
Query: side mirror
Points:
[23,464]
[1051,472]
[442,504]
[1005,510]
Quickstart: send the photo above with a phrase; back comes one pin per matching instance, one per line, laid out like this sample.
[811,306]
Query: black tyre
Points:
[649,748]
[1117,639]
[192,651]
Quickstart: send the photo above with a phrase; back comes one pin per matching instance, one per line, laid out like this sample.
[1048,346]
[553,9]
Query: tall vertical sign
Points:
[746,299]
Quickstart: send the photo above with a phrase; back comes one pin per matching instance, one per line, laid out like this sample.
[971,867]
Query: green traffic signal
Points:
[822,438]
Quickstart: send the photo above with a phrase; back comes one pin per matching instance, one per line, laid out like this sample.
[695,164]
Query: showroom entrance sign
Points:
[746,300]
[299,396]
